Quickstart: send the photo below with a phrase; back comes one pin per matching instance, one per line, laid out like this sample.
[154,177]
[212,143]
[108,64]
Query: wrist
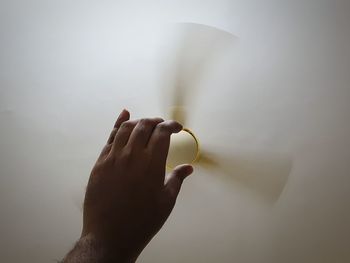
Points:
[111,250]
[90,248]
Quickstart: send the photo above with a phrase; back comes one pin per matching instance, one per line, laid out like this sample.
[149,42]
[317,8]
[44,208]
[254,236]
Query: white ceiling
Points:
[68,68]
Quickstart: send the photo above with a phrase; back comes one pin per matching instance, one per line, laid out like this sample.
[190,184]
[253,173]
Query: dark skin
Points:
[128,197]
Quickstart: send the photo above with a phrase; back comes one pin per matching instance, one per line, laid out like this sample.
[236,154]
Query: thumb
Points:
[176,177]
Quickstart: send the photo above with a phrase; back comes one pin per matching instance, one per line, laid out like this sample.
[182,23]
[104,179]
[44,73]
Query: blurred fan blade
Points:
[263,174]
[195,48]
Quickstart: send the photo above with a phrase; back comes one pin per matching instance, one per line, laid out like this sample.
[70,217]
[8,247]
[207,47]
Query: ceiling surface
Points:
[67,68]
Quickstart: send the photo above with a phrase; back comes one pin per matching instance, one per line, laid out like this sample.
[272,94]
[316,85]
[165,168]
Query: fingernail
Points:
[179,127]
[190,169]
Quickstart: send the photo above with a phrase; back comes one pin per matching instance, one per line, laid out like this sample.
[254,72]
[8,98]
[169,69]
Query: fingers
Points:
[175,179]
[123,134]
[153,134]
[142,132]
[160,139]
[123,116]
[158,146]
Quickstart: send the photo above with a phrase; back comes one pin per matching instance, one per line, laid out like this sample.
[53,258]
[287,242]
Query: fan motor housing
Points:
[184,148]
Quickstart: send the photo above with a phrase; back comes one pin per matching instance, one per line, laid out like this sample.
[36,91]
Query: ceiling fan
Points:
[197,48]
[194,50]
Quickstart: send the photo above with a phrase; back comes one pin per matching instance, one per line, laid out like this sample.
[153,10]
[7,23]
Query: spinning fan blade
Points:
[262,174]
[195,49]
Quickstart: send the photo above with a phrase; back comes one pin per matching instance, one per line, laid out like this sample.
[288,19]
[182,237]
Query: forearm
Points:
[90,250]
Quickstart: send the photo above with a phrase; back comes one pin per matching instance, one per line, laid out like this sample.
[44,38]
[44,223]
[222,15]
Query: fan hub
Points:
[184,148]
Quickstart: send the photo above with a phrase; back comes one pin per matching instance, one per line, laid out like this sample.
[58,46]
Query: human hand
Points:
[128,197]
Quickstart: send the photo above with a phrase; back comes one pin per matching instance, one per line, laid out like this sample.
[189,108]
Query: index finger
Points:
[123,116]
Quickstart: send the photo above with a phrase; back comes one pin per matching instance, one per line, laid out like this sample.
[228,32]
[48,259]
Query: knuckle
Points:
[141,128]
[126,125]
[145,122]
[163,128]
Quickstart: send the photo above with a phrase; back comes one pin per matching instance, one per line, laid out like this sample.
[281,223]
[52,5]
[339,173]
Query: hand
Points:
[128,197]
